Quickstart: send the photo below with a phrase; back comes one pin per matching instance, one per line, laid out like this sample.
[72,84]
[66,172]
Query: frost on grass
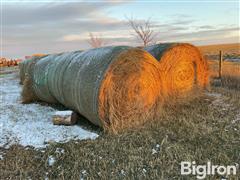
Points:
[1,157]
[60,151]
[51,160]
[156,149]
[219,100]
[30,124]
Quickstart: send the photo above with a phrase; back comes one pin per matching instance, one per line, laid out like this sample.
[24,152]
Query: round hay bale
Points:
[28,94]
[184,67]
[113,87]
[129,91]
[26,65]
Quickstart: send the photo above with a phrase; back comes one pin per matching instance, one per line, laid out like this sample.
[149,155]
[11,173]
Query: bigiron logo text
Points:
[202,171]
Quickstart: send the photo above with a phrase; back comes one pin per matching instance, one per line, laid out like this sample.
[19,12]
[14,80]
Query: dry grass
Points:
[230,74]
[195,130]
[230,51]
[229,48]
[232,82]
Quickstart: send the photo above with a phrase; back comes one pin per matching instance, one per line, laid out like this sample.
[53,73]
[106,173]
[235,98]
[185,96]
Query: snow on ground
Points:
[63,113]
[51,160]
[30,124]
[219,100]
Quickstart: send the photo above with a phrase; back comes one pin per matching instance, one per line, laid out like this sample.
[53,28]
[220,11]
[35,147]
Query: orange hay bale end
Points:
[183,66]
[130,91]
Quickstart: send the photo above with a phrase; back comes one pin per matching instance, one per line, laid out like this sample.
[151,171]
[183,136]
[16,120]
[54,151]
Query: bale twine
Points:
[113,87]
[184,68]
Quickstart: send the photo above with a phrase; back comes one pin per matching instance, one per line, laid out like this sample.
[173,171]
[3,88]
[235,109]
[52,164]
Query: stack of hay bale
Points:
[184,67]
[115,87]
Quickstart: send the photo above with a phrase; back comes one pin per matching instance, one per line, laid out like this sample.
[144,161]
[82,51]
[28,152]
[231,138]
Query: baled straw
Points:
[113,87]
[184,68]
[129,91]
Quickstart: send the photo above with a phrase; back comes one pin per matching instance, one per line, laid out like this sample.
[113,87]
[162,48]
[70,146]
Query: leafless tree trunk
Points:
[143,30]
[95,41]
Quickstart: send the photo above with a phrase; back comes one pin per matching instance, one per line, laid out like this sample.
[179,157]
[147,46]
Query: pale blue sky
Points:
[214,13]
[52,26]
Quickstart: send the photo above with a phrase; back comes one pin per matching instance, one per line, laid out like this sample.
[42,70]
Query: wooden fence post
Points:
[220,64]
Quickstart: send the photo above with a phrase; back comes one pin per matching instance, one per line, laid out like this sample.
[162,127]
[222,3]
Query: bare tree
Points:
[143,30]
[95,41]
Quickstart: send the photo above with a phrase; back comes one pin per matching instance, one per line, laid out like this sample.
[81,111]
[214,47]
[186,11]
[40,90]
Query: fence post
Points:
[220,64]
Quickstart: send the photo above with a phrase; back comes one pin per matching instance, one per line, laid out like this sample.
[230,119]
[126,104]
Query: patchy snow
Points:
[60,151]
[212,94]
[63,113]
[123,172]
[154,151]
[51,160]
[1,155]
[144,170]
[30,124]
[83,174]
[219,101]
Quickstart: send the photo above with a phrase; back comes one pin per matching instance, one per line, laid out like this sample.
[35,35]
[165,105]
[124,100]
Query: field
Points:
[231,52]
[204,129]
[228,48]
[230,66]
